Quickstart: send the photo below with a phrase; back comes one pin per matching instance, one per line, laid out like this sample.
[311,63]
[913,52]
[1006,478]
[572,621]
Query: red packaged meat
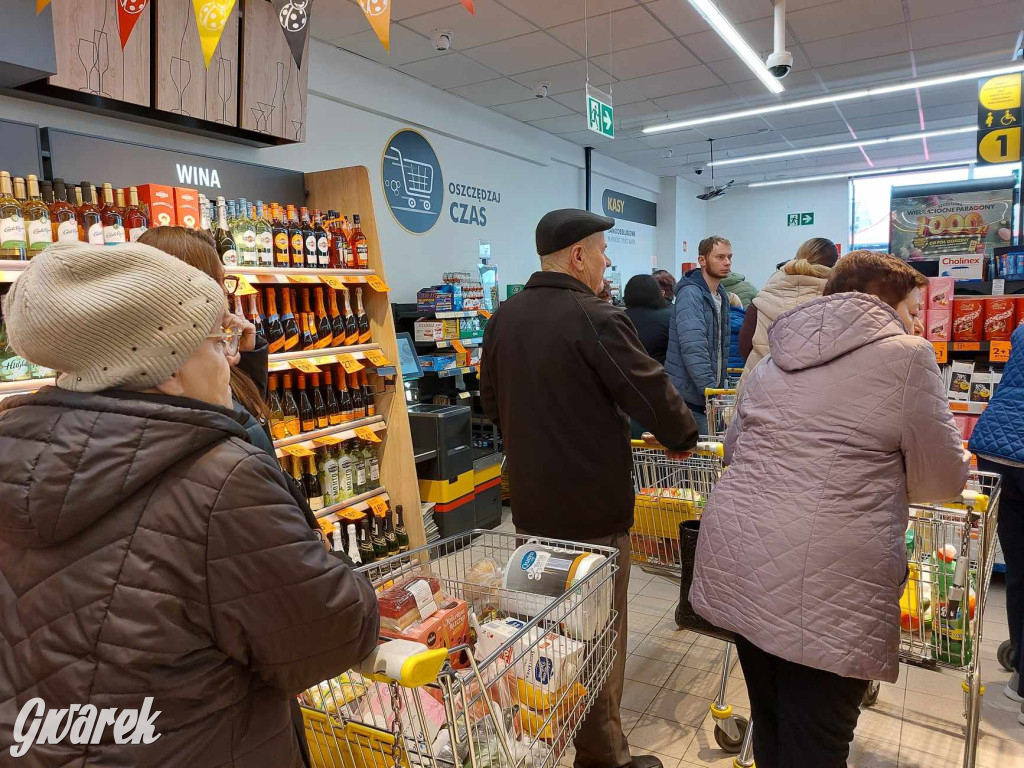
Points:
[1000,318]
[968,319]
[409,601]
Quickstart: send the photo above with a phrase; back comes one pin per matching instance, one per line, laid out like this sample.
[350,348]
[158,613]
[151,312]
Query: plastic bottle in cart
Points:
[950,639]
[910,600]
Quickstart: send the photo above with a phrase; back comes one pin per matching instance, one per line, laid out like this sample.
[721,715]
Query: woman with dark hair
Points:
[667,283]
[839,429]
[649,313]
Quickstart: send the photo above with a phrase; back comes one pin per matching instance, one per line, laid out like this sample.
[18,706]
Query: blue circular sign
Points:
[528,560]
[413,185]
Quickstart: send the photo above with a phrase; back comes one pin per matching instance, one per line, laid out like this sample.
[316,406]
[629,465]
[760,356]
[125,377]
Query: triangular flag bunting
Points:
[40,4]
[211,18]
[294,16]
[128,12]
[469,6]
[378,13]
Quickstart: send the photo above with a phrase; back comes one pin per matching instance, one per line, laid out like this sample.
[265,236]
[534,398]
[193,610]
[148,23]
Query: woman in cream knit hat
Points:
[147,549]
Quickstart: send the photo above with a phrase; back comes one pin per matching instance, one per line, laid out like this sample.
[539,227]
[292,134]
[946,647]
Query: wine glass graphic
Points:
[181,76]
[90,63]
[225,85]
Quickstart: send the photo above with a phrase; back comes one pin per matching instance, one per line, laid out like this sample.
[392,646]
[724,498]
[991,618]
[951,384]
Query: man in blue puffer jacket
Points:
[698,342]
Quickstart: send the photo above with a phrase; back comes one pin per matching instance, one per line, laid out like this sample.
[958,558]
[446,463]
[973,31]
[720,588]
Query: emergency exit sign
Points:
[600,116]
[799,219]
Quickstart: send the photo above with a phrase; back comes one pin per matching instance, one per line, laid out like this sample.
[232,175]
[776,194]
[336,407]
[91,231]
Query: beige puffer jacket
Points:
[796,282]
[801,547]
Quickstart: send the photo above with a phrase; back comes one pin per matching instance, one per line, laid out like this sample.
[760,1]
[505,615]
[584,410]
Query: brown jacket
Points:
[559,368]
[147,549]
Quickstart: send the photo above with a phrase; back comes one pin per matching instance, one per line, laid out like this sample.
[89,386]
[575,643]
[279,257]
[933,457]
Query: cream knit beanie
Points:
[122,316]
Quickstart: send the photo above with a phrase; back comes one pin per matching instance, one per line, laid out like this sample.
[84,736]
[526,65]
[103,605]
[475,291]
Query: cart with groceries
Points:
[493,648]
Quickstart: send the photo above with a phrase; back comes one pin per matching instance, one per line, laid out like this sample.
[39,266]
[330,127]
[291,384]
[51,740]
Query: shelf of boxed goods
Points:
[451,343]
[298,445]
[454,371]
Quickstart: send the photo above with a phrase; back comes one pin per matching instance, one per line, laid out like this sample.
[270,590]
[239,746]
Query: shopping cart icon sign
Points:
[417,180]
[411,177]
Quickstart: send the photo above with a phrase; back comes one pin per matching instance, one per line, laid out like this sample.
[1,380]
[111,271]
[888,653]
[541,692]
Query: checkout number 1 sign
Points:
[413,183]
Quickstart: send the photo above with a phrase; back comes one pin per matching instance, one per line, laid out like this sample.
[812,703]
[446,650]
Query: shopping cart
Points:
[668,491]
[406,707]
[732,377]
[719,405]
[417,178]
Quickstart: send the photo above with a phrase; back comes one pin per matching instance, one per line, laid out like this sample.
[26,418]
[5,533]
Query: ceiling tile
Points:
[836,128]
[784,120]
[491,23]
[709,46]
[861,45]
[647,60]
[968,24]
[640,110]
[338,20]
[853,73]
[547,13]
[491,92]
[880,105]
[565,124]
[895,122]
[978,52]
[678,15]
[843,18]
[619,146]
[584,138]
[738,11]
[623,29]
[676,81]
[747,144]
[406,46]
[925,9]
[962,113]
[621,96]
[523,53]
[696,100]
[565,77]
[407,8]
[449,71]
[534,109]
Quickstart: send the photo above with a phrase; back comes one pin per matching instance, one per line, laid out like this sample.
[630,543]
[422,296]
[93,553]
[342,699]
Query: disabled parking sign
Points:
[412,181]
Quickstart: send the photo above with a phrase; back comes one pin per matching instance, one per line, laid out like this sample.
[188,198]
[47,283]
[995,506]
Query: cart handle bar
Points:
[409,664]
[710,391]
[713,449]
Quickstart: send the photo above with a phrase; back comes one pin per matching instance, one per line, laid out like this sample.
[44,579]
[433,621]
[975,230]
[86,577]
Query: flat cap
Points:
[566,226]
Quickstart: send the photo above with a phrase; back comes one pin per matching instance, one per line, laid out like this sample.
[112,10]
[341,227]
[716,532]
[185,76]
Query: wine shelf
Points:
[358,503]
[345,431]
[315,271]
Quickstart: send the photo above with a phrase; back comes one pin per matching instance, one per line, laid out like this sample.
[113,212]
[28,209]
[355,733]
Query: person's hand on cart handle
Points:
[651,440]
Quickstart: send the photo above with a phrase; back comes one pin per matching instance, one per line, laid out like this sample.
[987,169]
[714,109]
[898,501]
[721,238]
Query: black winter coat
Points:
[652,327]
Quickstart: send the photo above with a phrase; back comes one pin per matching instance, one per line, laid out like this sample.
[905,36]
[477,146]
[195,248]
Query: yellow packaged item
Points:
[541,700]
[345,688]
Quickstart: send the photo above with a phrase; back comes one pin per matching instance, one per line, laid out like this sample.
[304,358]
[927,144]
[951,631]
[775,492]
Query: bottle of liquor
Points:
[264,238]
[135,219]
[295,239]
[360,249]
[77,202]
[297,473]
[305,337]
[331,398]
[277,421]
[362,319]
[256,320]
[353,545]
[205,220]
[348,259]
[307,310]
[359,468]
[368,400]
[307,421]
[63,217]
[323,246]
[311,485]
[333,230]
[358,403]
[319,405]
[113,221]
[380,542]
[282,250]
[290,409]
[119,202]
[345,404]
[222,236]
[90,223]
[351,323]
[243,232]
[373,467]
[19,190]
[38,229]
[274,330]
[389,533]
[13,238]
[400,532]
[338,535]
[288,322]
[329,479]
[323,322]
[346,478]
[337,321]
[366,552]
[46,192]
[308,239]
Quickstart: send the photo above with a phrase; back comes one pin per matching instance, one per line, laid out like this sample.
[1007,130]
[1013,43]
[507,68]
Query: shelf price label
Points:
[377,358]
[354,279]
[334,282]
[458,346]
[306,366]
[378,505]
[351,514]
[298,450]
[999,352]
[941,351]
[326,526]
[365,433]
[325,360]
[966,346]
[303,279]
[327,440]
[485,313]
[349,363]
[245,287]
[378,284]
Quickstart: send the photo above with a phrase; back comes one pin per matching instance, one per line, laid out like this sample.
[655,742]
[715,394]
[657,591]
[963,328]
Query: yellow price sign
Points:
[306,366]
[365,433]
[941,351]
[245,287]
[966,346]
[327,440]
[303,279]
[378,284]
[326,526]
[325,360]
[351,514]
[378,505]
[458,346]
[377,358]
[349,363]
[334,282]
[485,313]
[999,352]
[354,279]
[298,450]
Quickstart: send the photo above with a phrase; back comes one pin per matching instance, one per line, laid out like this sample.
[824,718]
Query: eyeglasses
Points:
[227,341]
[230,283]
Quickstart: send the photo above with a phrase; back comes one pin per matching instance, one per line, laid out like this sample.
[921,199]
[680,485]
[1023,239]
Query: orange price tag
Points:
[326,526]
[966,346]
[303,279]
[458,346]
[349,363]
[378,505]
[486,313]
[334,282]
[958,406]
[245,285]
[354,279]
[999,352]
[306,366]
[351,514]
[298,450]
[376,357]
[941,351]
[375,282]
[327,440]
[325,360]
[365,433]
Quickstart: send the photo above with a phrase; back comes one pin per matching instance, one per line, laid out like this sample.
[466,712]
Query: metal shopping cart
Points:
[732,377]
[720,405]
[409,707]
[417,179]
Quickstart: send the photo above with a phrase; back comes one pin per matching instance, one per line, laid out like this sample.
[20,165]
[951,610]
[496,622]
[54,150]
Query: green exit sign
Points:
[600,116]
[799,219]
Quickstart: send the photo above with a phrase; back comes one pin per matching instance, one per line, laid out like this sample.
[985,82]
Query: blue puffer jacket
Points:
[698,348]
[736,317]
[999,433]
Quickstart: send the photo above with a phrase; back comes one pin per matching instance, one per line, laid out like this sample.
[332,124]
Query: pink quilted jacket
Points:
[801,547]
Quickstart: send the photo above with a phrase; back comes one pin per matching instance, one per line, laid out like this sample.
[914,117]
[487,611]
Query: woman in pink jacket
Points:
[840,427]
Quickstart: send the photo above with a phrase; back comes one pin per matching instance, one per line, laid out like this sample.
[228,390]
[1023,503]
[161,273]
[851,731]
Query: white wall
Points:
[355,105]
[755,221]
[683,224]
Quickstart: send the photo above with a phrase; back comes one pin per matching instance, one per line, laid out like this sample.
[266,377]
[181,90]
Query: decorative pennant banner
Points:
[294,17]
[211,18]
[128,12]
[378,13]
[40,4]
[469,6]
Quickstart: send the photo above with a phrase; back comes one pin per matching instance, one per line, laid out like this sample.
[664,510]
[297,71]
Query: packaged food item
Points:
[940,292]
[446,627]
[439,362]
[968,319]
[160,201]
[410,601]
[330,695]
[938,325]
[981,386]
[186,207]
[427,329]
[960,381]
[483,580]
[1000,318]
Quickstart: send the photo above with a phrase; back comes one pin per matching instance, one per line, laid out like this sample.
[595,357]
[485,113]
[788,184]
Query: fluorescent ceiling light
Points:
[735,40]
[873,172]
[845,145]
[863,93]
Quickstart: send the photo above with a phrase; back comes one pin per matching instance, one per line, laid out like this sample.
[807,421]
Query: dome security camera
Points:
[540,90]
[780,63]
[443,39]
[698,171]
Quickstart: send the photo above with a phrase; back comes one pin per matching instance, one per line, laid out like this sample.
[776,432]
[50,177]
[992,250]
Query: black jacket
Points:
[652,327]
[559,368]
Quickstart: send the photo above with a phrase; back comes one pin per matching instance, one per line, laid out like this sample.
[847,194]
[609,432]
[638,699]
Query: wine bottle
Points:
[400,532]
[323,247]
[368,401]
[374,467]
[274,330]
[305,337]
[113,221]
[243,232]
[389,533]
[308,239]
[380,542]
[345,404]
[334,241]
[359,468]
[351,324]
[288,322]
[277,421]
[329,478]
[345,246]
[362,319]
[331,398]
[353,544]
[358,403]
[135,220]
[337,322]
[323,322]
[264,238]
[13,238]
[307,310]
[222,236]
[290,409]
[282,250]
[346,476]
[311,484]
[360,249]
[256,320]
[295,239]
[63,217]
[366,552]
[297,473]
[38,228]
[319,405]
[89,220]
[306,417]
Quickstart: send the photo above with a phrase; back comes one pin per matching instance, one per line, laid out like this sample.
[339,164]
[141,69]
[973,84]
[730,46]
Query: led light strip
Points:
[881,90]
[845,145]
[735,40]
[873,172]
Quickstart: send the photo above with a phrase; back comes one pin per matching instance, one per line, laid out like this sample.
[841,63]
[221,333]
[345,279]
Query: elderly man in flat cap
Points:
[561,371]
